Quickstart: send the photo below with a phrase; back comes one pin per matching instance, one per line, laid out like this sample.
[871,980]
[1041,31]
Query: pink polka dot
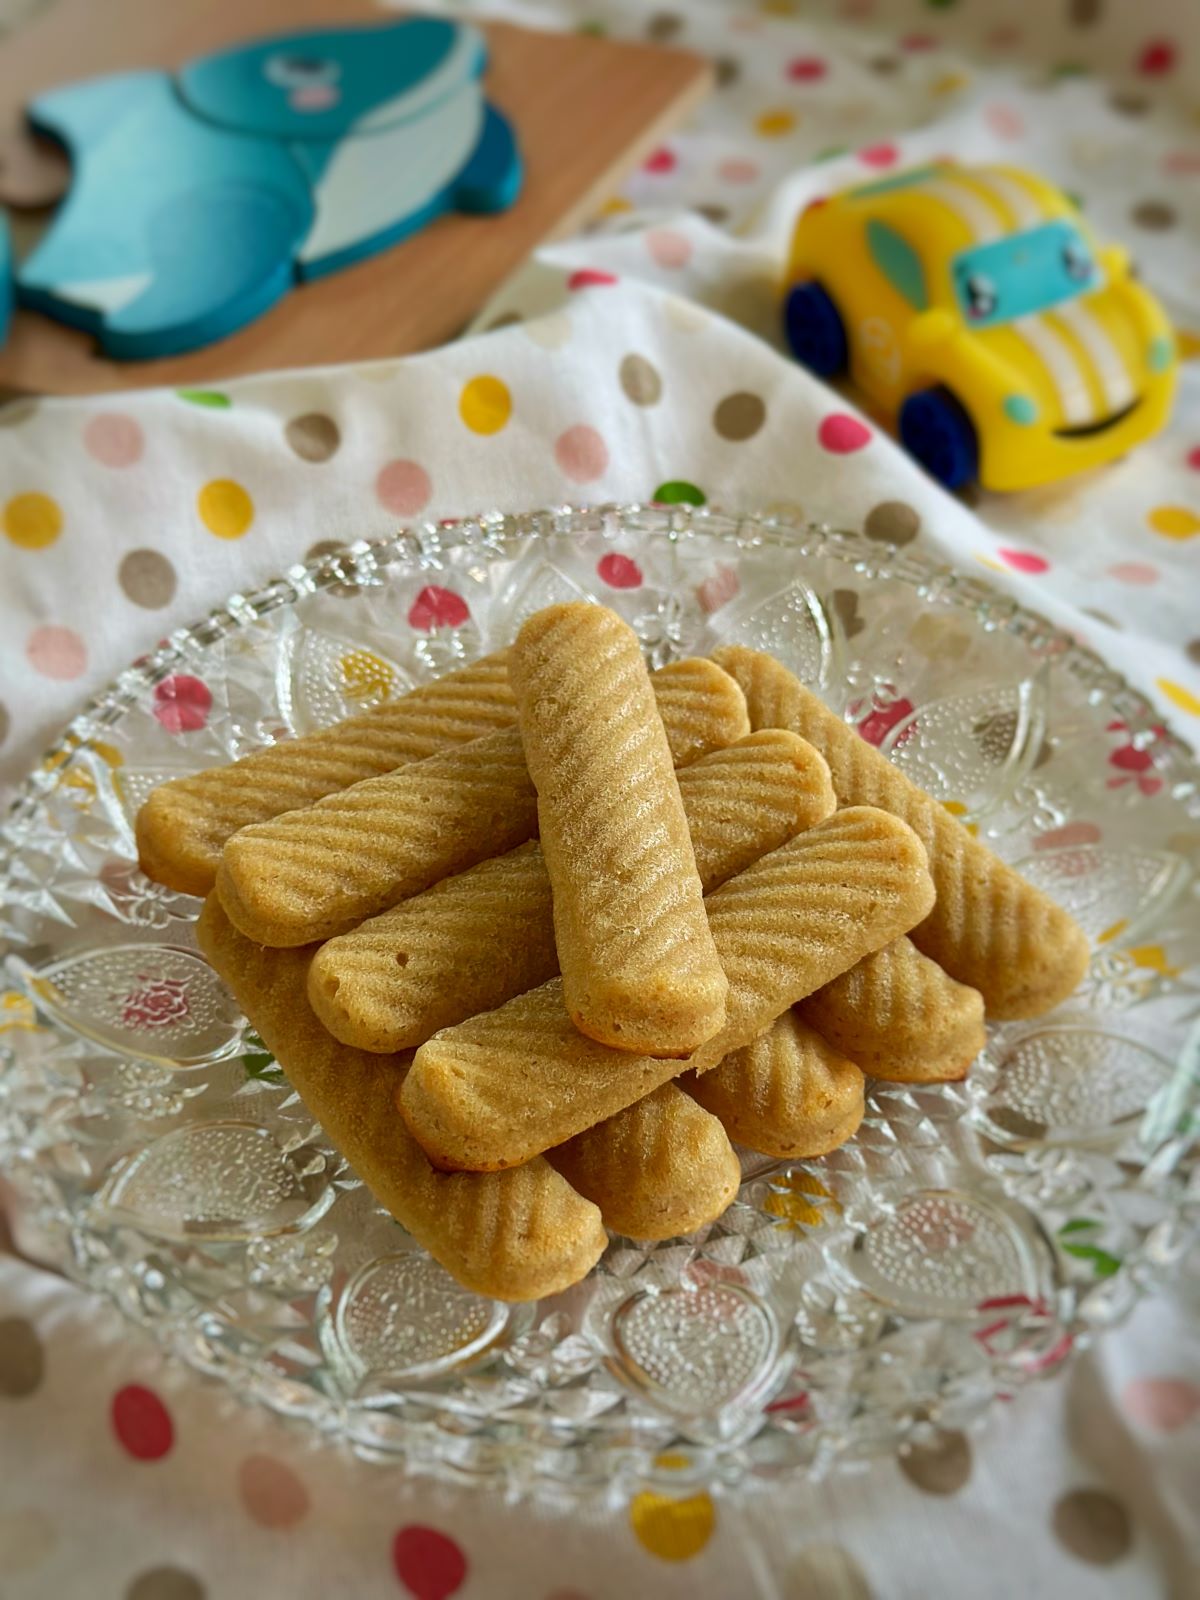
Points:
[1164,1404]
[1071,833]
[841,434]
[878,155]
[1024,560]
[662,160]
[113,439]
[918,41]
[581,453]
[429,1564]
[403,487]
[1193,459]
[806,69]
[619,572]
[1004,36]
[56,652]
[1138,572]
[1004,121]
[669,249]
[737,171]
[1157,58]
[876,726]
[590,278]
[142,1423]
[1182,162]
[436,607]
[182,703]
[272,1494]
[724,585]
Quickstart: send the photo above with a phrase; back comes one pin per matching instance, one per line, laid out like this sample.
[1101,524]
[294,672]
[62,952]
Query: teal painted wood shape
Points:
[197,200]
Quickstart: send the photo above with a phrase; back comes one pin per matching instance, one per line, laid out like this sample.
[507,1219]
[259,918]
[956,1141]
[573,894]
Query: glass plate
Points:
[965,1241]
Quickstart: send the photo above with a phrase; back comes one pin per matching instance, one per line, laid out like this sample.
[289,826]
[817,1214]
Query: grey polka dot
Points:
[1084,13]
[717,214]
[892,522]
[884,65]
[664,25]
[1093,1525]
[1103,616]
[728,70]
[148,579]
[640,381]
[13,412]
[165,1583]
[845,608]
[22,1359]
[506,319]
[1155,215]
[739,416]
[328,547]
[827,1572]
[1191,650]
[1129,103]
[314,436]
[939,1467]
[5,722]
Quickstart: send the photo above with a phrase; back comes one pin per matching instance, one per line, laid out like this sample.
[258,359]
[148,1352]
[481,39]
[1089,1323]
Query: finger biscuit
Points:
[989,928]
[311,874]
[513,1235]
[184,824]
[500,1088]
[659,1168]
[900,1017]
[475,940]
[639,967]
[788,1093]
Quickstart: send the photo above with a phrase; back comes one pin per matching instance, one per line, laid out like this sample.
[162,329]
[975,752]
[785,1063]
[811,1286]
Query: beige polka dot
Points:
[939,1467]
[845,608]
[165,1583]
[1129,103]
[729,71]
[27,1537]
[1156,215]
[147,578]
[1092,1525]
[892,522]
[1084,12]
[328,547]
[1193,651]
[939,637]
[272,1494]
[884,65]
[22,1359]
[640,381]
[5,722]
[714,214]
[826,1572]
[14,412]
[739,416]
[506,319]
[551,332]
[663,25]
[314,436]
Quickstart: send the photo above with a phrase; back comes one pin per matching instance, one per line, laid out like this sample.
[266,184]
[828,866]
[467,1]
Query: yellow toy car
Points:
[971,305]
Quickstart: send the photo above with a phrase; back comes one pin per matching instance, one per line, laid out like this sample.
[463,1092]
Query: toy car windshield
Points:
[1023,273]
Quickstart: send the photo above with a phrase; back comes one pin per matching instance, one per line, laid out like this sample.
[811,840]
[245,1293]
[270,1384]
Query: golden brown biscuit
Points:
[473,941]
[311,874]
[514,1235]
[184,824]
[900,1017]
[500,1088]
[640,970]
[659,1168]
[788,1093]
[989,928]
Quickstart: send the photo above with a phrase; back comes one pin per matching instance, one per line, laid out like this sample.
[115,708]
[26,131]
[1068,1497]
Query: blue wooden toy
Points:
[197,200]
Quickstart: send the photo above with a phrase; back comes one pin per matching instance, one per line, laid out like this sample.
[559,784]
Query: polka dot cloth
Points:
[638,360]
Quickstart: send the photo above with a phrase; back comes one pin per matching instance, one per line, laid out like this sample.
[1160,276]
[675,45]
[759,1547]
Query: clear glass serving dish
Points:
[966,1241]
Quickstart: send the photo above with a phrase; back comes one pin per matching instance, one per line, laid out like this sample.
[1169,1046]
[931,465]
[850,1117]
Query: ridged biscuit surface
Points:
[640,971]
[788,1093]
[475,940]
[499,1088]
[989,928]
[184,824]
[659,1168]
[900,1017]
[514,1235]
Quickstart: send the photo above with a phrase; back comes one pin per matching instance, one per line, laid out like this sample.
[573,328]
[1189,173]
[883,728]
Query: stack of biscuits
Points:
[537,941]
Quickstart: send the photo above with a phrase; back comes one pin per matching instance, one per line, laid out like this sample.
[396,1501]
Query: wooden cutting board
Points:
[586,110]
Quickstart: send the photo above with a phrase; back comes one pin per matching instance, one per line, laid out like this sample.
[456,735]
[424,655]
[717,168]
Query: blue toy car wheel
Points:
[936,430]
[814,330]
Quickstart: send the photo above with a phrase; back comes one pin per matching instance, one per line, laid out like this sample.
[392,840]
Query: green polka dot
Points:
[212,398]
[677,492]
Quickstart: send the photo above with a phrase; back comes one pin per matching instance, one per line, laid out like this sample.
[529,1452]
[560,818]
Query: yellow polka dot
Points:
[949,83]
[672,1461]
[615,205]
[1154,958]
[957,809]
[774,124]
[485,404]
[366,678]
[779,8]
[1179,696]
[1174,522]
[672,1530]
[1188,344]
[225,508]
[1114,932]
[992,566]
[33,521]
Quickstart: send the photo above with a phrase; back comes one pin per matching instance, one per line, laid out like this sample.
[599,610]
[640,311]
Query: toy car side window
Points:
[899,262]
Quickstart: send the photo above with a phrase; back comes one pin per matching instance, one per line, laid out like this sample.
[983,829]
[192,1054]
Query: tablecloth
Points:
[642,354]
